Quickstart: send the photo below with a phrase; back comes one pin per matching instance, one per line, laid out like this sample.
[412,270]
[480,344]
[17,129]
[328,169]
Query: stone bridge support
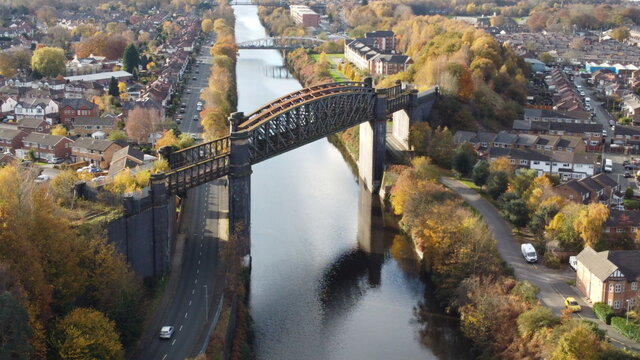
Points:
[372,144]
[240,185]
[371,233]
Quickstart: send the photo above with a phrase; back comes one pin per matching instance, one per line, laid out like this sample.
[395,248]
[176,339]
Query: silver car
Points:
[166,332]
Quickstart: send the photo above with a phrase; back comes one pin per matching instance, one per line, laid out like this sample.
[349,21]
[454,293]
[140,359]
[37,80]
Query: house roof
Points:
[485,137]
[44,139]
[605,180]
[526,140]
[623,218]
[10,134]
[30,122]
[589,183]
[597,263]
[92,144]
[127,157]
[103,121]
[462,136]
[575,186]
[576,128]
[77,103]
[506,138]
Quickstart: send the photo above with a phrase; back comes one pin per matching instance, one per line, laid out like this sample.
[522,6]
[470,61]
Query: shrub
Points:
[551,260]
[526,291]
[537,318]
[630,330]
[603,311]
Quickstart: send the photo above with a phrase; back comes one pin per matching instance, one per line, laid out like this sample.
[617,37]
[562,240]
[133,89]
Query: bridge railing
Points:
[296,96]
[199,152]
[180,180]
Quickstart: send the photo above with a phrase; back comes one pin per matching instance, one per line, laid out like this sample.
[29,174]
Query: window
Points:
[619,230]
[609,302]
[512,161]
[536,163]
[523,162]
[610,287]
[616,304]
[634,286]
[618,288]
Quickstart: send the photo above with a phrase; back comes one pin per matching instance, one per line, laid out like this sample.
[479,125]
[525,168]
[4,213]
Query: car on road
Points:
[529,253]
[166,332]
[627,174]
[194,78]
[41,178]
[608,165]
[183,110]
[195,118]
[630,167]
[571,304]
[56,160]
[188,91]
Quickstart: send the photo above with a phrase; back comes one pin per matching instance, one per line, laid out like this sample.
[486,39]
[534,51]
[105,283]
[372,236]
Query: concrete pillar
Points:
[240,185]
[371,233]
[161,235]
[372,144]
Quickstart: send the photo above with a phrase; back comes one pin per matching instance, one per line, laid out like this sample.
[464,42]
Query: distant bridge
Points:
[272,3]
[281,43]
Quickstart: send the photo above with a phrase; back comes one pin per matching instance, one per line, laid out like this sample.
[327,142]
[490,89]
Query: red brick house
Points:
[30,125]
[94,151]
[70,109]
[45,146]
[11,139]
[609,276]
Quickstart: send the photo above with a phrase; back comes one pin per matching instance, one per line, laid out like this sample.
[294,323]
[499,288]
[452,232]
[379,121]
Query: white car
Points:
[166,332]
[42,178]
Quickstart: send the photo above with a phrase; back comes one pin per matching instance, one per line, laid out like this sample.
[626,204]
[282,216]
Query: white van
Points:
[529,253]
[608,165]
[573,262]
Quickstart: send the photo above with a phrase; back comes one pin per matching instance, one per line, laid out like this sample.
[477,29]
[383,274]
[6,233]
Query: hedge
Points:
[603,311]
[630,330]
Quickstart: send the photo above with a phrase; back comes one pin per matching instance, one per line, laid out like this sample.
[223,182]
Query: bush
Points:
[526,291]
[603,311]
[551,260]
[630,330]
[535,319]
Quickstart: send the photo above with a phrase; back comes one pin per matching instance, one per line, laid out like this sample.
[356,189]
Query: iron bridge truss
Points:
[284,124]
[281,43]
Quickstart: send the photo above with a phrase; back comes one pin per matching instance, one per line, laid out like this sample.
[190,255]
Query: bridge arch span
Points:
[281,43]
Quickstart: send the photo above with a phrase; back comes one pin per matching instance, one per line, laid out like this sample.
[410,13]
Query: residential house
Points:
[375,52]
[125,158]
[89,125]
[11,139]
[102,78]
[569,165]
[30,125]
[36,108]
[45,146]
[631,106]
[556,116]
[505,140]
[598,188]
[99,152]
[623,223]
[609,276]
[73,109]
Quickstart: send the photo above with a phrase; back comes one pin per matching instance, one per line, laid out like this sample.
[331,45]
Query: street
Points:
[192,295]
[554,284]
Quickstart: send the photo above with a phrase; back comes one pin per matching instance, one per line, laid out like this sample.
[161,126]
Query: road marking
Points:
[198,262]
[174,341]
[180,328]
[201,244]
[193,291]
[189,305]
[185,315]
[164,357]
[196,281]
[198,271]
[200,252]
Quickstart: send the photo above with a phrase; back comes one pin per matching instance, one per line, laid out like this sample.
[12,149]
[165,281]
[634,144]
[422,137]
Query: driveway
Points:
[554,284]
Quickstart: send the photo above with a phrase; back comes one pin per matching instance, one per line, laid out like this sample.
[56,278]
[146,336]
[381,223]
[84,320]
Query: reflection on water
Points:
[331,278]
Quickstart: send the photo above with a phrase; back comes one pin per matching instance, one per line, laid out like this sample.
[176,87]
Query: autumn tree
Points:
[497,183]
[501,164]
[141,123]
[168,139]
[577,343]
[15,332]
[59,130]
[118,135]
[207,25]
[531,321]
[546,58]
[589,222]
[87,334]
[48,61]
[620,33]
[7,68]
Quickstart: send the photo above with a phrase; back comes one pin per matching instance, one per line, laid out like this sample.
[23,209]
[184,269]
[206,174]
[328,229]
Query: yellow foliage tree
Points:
[207,25]
[168,139]
[122,88]
[59,130]
[501,164]
[589,222]
[87,334]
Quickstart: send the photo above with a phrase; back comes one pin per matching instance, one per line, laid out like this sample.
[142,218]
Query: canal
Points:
[329,280]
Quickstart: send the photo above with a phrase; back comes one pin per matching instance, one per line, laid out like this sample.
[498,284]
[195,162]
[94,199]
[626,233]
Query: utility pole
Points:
[628,311]
[206,301]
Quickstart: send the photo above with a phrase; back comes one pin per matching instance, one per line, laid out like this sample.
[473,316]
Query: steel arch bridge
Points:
[286,123]
[281,43]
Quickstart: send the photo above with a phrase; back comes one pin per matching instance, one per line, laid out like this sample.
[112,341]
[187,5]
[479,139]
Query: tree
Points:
[118,135]
[530,321]
[589,222]
[480,173]
[141,123]
[514,209]
[122,89]
[497,184]
[464,159]
[48,61]
[620,33]
[546,58]
[130,59]
[579,343]
[541,217]
[15,332]
[87,334]
[501,164]
[113,87]
[207,25]
[59,130]
[7,67]
[168,139]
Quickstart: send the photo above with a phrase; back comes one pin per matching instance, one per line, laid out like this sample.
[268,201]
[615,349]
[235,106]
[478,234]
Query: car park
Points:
[166,332]
[572,304]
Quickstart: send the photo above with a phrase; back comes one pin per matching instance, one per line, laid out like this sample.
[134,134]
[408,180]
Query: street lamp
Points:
[206,301]
[628,303]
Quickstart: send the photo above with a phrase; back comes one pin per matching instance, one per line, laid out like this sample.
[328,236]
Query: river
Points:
[320,288]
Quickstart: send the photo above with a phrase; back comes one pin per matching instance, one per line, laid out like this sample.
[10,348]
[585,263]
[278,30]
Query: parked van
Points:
[573,262]
[608,165]
[529,253]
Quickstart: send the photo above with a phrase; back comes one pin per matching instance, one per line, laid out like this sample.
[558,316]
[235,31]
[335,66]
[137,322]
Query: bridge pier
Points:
[240,185]
[372,144]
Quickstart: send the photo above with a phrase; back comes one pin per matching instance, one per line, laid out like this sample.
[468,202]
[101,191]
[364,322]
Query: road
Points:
[193,292]
[554,284]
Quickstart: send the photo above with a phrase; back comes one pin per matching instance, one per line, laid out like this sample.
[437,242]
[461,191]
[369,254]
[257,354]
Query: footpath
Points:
[554,284]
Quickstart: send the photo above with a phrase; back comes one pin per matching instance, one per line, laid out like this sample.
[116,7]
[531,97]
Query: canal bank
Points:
[332,277]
